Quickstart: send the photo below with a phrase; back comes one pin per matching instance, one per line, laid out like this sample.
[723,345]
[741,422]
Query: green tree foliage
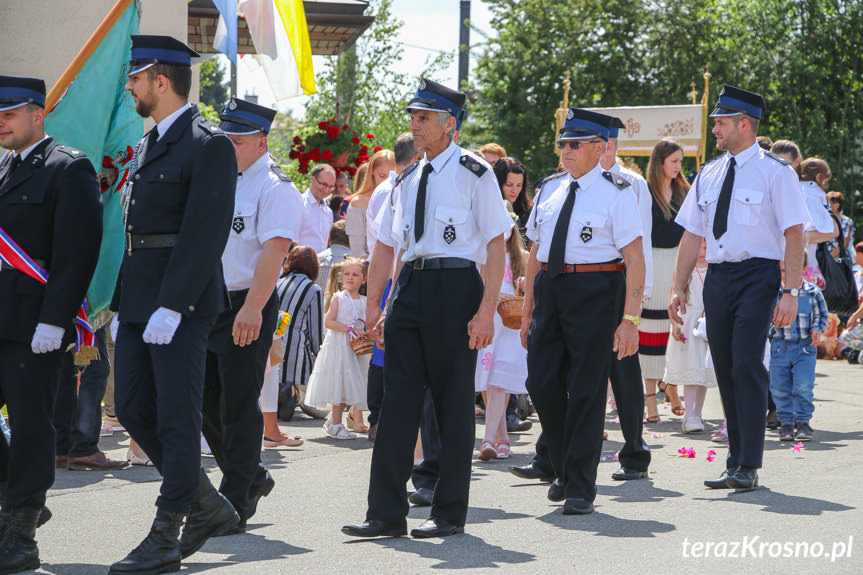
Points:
[804,56]
[214,89]
[361,88]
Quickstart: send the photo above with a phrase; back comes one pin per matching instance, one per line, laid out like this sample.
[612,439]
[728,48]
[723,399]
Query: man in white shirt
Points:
[746,203]
[317,217]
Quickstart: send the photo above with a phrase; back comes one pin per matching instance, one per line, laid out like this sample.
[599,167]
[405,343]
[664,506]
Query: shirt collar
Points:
[259,164]
[24,153]
[166,122]
[746,154]
[311,200]
[615,167]
[587,179]
[441,159]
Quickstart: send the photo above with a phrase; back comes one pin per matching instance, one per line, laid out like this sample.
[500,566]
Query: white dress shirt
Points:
[607,215]
[819,208]
[645,205]
[316,223]
[376,202]
[265,207]
[766,201]
[163,126]
[26,151]
[457,198]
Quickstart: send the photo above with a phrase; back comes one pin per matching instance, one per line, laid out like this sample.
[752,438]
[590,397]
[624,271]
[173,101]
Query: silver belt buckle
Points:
[419,263]
[129,243]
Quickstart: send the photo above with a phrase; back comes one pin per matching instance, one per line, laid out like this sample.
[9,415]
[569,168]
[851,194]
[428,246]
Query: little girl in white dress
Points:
[340,377]
[686,354]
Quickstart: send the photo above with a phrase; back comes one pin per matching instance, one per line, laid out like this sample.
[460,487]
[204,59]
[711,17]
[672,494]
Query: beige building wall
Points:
[40,38]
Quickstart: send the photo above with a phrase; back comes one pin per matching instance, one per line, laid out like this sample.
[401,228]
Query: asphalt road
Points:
[809,503]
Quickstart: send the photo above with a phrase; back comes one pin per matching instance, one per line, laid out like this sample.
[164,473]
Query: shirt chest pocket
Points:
[747,206]
[245,222]
[32,196]
[587,226]
[168,175]
[544,217]
[450,224]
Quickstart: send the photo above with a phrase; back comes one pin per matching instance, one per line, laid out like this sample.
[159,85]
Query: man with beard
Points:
[178,208]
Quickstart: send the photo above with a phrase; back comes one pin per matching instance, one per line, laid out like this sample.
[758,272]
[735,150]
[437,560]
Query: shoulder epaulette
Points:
[619,181]
[72,152]
[473,165]
[779,159]
[280,173]
[407,172]
[713,159]
[208,126]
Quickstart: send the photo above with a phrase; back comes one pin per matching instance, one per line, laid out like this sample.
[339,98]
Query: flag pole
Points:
[96,38]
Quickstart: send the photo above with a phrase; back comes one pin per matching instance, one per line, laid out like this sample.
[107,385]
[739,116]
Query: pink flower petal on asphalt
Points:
[797,448]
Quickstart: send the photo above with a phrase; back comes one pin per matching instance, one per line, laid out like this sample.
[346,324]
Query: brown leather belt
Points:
[581,268]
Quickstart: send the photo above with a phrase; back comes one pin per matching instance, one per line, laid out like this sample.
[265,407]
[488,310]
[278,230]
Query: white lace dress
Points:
[504,363]
[339,375]
[686,362]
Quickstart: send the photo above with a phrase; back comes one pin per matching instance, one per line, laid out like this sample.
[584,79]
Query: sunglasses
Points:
[574,144]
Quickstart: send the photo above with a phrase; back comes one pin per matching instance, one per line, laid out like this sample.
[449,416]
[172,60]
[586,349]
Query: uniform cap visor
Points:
[236,129]
[12,105]
[720,112]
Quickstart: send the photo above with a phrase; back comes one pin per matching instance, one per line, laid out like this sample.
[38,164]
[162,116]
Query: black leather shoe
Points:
[555,491]
[259,490]
[422,497]
[44,516]
[627,473]
[531,471]
[744,478]
[159,552]
[374,528]
[577,506]
[436,527]
[719,482]
[212,515]
[18,551]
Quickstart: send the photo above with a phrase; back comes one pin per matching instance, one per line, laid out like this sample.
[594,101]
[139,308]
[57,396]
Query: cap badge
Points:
[422,84]
[569,114]
[232,105]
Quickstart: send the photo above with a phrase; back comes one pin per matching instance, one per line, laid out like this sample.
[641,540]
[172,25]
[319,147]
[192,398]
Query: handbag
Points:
[840,293]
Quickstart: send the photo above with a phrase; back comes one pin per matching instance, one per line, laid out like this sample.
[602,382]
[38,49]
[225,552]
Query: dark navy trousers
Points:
[158,393]
[628,389]
[739,299]
[427,349]
[569,358]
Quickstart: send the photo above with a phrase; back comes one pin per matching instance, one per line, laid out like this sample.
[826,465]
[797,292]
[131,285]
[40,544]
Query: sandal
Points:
[354,426]
[283,441]
[503,450]
[721,434]
[672,397]
[651,418]
[487,451]
[693,425]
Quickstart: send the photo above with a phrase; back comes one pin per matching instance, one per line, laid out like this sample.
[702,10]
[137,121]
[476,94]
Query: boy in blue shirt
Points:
[792,362]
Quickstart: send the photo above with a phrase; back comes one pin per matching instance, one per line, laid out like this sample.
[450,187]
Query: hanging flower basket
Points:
[343,147]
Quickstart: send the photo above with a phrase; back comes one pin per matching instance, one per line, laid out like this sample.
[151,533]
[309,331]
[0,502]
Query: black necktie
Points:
[720,220]
[151,141]
[420,209]
[558,241]
[13,163]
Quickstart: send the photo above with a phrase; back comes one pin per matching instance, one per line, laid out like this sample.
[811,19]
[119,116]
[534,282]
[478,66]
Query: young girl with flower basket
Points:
[340,374]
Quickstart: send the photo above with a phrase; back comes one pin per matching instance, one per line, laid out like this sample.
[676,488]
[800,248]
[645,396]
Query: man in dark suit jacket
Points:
[51,207]
[178,207]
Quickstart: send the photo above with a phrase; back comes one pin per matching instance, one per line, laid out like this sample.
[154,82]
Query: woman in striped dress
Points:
[668,188]
[300,297]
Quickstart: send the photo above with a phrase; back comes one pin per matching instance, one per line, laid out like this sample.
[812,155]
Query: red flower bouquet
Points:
[340,146]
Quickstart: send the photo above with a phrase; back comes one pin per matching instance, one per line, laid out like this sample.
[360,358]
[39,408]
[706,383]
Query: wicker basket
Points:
[509,309]
[364,344]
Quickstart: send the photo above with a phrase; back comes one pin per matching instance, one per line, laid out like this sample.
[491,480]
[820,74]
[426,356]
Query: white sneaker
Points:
[328,424]
[205,447]
[339,431]
[135,460]
[106,432]
[693,425]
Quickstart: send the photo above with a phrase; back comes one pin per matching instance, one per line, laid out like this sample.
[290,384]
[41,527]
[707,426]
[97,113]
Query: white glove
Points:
[115,325]
[162,326]
[47,338]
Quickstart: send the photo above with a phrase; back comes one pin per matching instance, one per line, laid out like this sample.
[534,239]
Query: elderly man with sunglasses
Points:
[317,217]
[579,305]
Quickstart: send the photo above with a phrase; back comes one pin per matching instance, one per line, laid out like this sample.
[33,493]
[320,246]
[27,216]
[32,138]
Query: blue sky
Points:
[429,25]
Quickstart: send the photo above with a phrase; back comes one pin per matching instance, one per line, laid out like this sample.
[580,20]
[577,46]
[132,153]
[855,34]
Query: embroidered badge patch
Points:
[586,234]
[449,234]
[238,225]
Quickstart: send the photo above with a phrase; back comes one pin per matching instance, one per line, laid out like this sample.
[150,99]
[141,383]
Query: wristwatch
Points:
[635,319]
[793,291]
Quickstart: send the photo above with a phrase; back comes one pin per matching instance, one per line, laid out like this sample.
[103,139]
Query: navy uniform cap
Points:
[734,101]
[241,117]
[433,96]
[616,125]
[16,92]
[583,124]
[147,51]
